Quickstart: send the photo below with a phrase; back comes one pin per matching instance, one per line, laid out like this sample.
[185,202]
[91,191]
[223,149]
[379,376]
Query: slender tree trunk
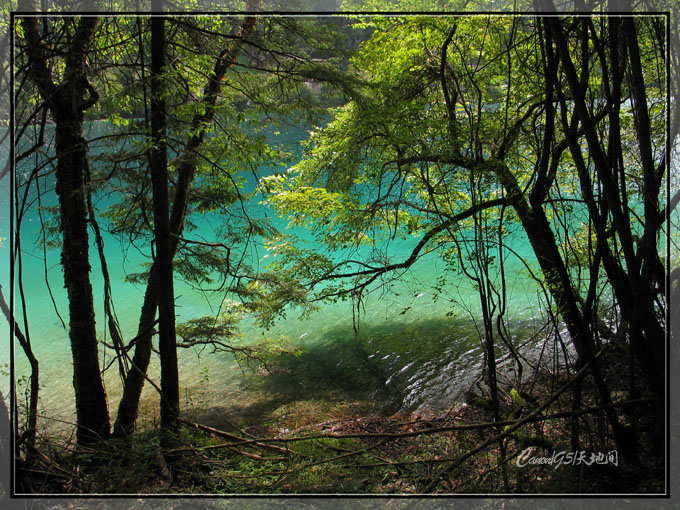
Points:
[642,273]
[91,407]
[649,270]
[134,383]
[648,338]
[159,178]
[542,240]
[31,423]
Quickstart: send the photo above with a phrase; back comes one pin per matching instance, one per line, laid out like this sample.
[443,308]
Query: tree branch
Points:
[421,244]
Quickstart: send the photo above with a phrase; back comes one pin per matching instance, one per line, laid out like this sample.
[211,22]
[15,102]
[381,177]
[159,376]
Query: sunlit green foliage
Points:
[445,94]
[434,133]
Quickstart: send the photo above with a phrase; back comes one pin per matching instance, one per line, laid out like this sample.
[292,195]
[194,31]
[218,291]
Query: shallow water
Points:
[415,347]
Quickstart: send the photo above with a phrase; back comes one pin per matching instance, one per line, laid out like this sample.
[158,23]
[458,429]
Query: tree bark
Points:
[68,101]
[636,295]
[159,179]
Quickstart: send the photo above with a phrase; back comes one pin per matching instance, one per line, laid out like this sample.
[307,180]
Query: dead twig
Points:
[239,440]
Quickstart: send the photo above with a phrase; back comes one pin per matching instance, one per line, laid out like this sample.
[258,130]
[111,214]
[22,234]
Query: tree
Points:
[275,60]
[67,101]
[208,138]
[465,117]
[128,407]
[159,178]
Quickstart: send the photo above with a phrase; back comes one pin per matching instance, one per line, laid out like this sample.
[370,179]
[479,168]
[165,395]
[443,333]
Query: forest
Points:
[365,254]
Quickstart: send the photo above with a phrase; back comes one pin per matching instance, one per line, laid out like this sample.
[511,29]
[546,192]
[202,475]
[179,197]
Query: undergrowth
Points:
[315,447]
[327,444]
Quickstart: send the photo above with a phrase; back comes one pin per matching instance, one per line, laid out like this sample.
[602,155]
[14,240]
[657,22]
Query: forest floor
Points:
[347,447]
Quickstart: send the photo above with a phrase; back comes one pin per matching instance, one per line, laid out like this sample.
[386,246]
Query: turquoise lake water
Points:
[413,350]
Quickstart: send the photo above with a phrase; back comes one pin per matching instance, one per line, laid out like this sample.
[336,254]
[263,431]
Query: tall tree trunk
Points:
[648,338]
[68,101]
[643,271]
[71,148]
[134,383]
[542,240]
[164,284]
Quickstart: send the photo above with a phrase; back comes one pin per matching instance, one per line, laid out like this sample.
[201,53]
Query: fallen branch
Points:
[535,416]
[342,456]
[239,440]
[50,463]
